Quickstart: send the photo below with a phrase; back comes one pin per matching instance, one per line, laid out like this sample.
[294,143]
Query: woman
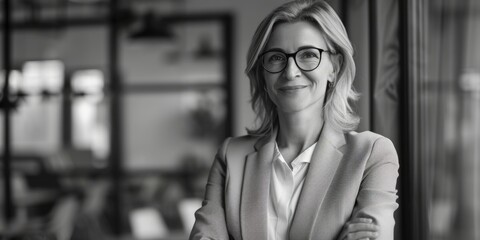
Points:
[303,173]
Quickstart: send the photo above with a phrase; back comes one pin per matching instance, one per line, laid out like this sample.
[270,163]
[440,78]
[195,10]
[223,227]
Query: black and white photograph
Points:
[239,120]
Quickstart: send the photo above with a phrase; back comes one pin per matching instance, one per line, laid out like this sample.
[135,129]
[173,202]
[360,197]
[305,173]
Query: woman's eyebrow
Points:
[306,46]
[274,49]
[299,48]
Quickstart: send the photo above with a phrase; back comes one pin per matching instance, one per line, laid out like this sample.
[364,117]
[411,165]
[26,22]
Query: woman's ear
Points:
[337,61]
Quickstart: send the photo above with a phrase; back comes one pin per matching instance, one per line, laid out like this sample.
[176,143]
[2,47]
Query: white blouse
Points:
[285,187]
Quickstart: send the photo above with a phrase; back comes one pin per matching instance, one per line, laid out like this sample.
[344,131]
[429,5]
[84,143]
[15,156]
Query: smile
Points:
[291,88]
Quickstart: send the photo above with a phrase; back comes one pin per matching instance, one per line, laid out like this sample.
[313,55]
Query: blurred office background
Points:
[114,110]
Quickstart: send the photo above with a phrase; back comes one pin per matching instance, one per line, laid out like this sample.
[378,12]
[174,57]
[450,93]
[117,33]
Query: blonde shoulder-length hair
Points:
[337,110]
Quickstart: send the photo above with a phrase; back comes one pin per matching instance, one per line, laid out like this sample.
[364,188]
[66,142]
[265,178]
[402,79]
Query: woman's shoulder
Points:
[376,144]
[369,139]
[365,137]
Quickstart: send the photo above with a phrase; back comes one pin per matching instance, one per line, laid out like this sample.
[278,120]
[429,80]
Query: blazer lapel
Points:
[255,190]
[324,163]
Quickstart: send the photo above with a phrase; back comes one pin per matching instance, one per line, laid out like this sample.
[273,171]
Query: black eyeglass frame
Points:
[294,55]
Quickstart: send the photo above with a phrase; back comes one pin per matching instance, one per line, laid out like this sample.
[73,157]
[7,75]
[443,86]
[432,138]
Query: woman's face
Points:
[293,90]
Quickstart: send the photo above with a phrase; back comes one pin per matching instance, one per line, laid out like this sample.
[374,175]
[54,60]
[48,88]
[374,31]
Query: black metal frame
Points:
[115,84]
[6,106]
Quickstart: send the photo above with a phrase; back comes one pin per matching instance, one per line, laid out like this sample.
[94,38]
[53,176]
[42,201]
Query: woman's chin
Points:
[291,107]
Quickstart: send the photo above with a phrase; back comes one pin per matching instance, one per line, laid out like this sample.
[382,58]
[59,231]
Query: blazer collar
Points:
[325,160]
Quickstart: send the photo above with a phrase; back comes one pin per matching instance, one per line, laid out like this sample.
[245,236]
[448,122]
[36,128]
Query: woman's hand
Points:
[359,229]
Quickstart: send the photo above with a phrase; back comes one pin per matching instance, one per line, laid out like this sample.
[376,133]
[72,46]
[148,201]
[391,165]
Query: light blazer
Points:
[350,175]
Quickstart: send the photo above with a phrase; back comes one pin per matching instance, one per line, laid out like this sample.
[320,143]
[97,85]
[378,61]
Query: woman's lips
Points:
[291,88]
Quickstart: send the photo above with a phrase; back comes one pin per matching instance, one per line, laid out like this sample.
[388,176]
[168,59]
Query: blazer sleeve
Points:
[210,220]
[377,195]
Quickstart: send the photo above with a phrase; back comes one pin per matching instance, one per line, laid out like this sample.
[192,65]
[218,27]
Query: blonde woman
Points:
[303,173]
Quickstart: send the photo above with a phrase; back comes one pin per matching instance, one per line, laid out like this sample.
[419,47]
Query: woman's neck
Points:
[298,131]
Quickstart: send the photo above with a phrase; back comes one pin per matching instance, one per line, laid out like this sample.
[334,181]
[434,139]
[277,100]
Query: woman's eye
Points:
[308,55]
[276,58]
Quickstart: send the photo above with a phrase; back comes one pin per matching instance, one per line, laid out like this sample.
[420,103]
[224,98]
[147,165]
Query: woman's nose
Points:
[291,70]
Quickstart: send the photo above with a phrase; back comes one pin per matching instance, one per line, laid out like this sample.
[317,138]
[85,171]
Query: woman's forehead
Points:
[292,36]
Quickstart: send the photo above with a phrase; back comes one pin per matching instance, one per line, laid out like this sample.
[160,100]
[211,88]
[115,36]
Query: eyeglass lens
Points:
[306,59]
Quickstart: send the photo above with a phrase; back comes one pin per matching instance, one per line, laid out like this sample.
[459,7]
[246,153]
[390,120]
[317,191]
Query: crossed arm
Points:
[372,217]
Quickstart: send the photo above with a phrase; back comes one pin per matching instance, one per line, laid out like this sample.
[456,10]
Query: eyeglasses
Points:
[306,59]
